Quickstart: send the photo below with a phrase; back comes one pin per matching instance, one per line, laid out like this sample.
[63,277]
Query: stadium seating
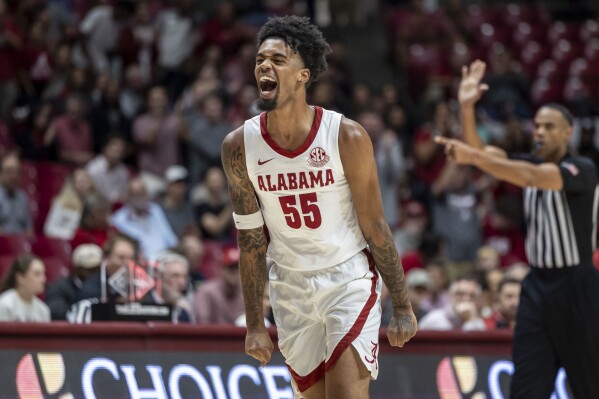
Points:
[12,245]
[45,247]
[56,268]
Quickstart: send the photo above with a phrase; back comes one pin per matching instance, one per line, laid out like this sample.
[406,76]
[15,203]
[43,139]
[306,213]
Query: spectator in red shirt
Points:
[156,134]
[507,305]
[220,300]
[72,134]
[94,227]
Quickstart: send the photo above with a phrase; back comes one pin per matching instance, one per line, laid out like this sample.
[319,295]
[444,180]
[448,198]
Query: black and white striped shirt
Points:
[562,225]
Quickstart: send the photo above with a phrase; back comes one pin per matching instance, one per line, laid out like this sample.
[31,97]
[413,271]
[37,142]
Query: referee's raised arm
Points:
[470,91]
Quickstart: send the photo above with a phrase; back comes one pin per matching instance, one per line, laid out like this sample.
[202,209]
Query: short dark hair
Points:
[303,38]
[507,281]
[562,110]
[116,237]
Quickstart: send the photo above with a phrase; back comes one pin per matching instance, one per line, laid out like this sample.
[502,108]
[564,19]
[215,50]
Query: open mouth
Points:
[267,86]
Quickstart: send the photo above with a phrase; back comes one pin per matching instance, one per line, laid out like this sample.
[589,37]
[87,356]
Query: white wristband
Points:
[246,222]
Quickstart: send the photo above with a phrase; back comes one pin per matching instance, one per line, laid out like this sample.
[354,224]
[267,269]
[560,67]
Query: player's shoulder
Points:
[233,139]
[351,131]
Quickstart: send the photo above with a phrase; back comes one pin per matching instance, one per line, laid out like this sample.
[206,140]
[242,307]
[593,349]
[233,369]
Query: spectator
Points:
[157,135]
[389,162]
[100,30]
[244,106]
[22,283]
[67,207]
[175,285]
[175,204]
[207,130]
[61,65]
[461,313]
[486,259]
[418,283]
[502,230]
[63,293]
[119,251]
[220,300]
[438,295]
[144,221]
[489,281]
[177,37]
[507,305]
[14,206]
[132,94]
[137,41]
[36,57]
[213,210]
[109,173]
[193,249]
[105,116]
[95,222]
[71,134]
[413,224]
[455,217]
[30,134]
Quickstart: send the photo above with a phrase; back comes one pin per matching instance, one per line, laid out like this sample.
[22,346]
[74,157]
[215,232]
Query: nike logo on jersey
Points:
[263,162]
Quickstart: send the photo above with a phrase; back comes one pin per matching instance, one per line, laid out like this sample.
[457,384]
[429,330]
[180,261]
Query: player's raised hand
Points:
[259,346]
[471,89]
[402,327]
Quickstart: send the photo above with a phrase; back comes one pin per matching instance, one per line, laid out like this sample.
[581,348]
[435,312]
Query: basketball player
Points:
[309,174]
[556,323]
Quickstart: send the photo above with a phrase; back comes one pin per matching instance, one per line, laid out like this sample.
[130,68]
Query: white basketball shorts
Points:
[320,313]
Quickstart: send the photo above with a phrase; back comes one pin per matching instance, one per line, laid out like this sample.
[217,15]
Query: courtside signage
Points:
[209,375]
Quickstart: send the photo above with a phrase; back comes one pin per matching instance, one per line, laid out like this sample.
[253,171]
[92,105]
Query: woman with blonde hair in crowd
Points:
[67,207]
[25,279]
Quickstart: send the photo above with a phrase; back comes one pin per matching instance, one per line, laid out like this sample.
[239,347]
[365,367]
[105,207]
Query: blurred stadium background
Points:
[150,88]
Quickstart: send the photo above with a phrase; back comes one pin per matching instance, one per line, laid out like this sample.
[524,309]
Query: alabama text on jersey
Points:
[304,195]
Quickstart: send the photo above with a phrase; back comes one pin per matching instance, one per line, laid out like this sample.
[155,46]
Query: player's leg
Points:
[316,391]
[353,319]
[535,361]
[300,330]
[348,378]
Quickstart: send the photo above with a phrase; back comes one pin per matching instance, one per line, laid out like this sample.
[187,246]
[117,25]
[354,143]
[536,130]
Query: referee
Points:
[557,322]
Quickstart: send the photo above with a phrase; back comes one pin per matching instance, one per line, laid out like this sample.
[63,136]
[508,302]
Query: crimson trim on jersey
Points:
[318,373]
[307,143]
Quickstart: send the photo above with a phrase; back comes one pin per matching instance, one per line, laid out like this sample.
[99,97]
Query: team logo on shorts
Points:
[318,157]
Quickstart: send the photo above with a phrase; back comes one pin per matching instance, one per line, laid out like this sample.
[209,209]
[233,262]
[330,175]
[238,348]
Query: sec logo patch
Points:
[318,157]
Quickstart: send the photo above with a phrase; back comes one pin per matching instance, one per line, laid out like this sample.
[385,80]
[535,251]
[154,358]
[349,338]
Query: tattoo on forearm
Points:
[388,263]
[252,245]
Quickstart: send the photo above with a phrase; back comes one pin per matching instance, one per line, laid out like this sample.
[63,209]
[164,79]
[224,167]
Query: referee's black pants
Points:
[557,326]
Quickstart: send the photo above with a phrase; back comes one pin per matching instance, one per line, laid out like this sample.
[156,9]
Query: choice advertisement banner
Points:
[210,375]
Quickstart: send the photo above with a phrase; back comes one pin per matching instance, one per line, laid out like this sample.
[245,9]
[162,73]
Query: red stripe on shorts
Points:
[315,375]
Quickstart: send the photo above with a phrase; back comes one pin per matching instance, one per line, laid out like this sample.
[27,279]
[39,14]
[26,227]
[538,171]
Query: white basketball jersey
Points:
[304,196]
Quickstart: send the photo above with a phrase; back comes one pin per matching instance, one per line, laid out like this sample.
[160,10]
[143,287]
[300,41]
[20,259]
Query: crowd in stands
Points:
[112,115]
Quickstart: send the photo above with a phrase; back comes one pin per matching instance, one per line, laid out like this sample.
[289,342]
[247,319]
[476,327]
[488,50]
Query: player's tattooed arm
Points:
[359,165]
[252,242]
[382,247]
